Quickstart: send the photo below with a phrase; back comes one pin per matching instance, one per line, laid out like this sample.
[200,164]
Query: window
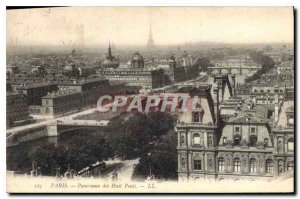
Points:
[266,140]
[269,166]
[253,140]
[290,121]
[290,166]
[237,129]
[261,91]
[237,139]
[47,111]
[252,165]
[197,165]
[237,165]
[252,129]
[224,140]
[290,144]
[196,139]
[221,163]
[197,117]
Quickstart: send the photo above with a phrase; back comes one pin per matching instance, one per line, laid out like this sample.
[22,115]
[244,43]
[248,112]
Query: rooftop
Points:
[60,93]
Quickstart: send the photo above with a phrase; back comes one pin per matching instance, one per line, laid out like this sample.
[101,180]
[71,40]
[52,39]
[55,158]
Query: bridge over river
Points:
[233,69]
[51,127]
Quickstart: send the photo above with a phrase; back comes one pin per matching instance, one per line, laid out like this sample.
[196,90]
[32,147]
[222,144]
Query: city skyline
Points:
[167,27]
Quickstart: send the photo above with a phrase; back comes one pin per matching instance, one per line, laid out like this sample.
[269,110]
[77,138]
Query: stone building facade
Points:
[16,108]
[61,102]
[242,147]
[90,88]
[146,78]
[35,91]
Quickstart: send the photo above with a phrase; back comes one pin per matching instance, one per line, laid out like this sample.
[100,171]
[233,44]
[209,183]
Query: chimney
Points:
[216,104]
[233,87]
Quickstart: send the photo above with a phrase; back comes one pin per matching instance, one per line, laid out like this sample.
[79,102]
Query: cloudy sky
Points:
[130,25]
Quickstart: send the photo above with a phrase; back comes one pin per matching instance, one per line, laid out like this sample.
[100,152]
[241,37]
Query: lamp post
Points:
[150,170]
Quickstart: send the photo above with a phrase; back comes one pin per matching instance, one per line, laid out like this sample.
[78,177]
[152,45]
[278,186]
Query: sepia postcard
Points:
[150,100]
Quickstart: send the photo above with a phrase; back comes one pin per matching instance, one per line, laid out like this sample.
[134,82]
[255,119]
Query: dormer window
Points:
[197,117]
[290,121]
[252,129]
[237,129]
[224,140]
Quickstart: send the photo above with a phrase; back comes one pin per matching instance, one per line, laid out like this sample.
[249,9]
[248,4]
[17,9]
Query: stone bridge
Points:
[48,128]
[232,69]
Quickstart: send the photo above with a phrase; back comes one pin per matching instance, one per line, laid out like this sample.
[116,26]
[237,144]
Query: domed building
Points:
[137,61]
[110,61]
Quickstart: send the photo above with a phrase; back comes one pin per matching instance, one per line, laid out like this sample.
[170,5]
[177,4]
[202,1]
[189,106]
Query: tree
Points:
[163,159]
[265,61]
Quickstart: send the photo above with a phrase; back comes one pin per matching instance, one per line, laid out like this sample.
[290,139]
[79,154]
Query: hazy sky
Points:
[170,25]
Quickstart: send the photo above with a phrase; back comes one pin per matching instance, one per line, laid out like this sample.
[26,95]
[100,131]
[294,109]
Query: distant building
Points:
[61,102]
[35,91]
[137,61]
[16,109]
[12,70]
[91,88]
[110,61]
[146,78]
[38,70]
[286,71]
[181,69]
[136,75]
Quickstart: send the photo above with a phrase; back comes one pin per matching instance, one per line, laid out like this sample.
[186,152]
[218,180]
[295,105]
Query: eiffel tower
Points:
[150,44]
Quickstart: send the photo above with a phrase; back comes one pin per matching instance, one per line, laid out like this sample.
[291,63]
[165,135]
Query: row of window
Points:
[253,165]
[238,129]
[268,91]
[237,165]
[252,140]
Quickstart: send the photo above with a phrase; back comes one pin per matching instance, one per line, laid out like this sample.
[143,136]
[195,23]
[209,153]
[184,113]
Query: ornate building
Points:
[242,146]
[110,61]
[136,75]
[197,137]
